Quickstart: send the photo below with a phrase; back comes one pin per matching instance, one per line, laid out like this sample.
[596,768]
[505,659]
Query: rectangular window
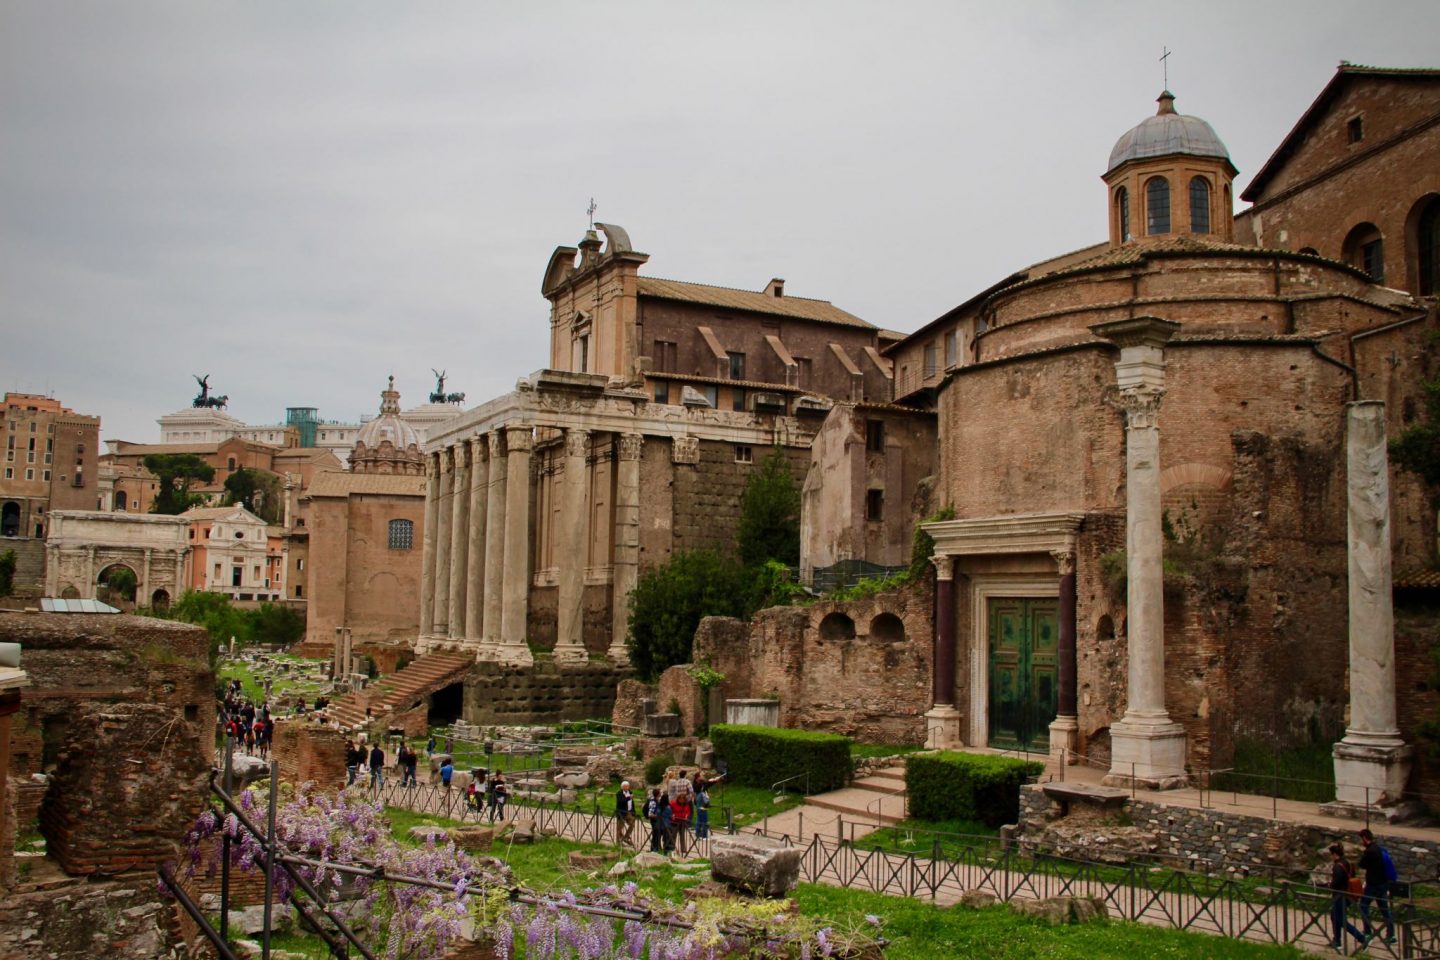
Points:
[931,360]
[217,571]
[737,365]
[29,474]
[874,504]
[9,473]
[737,398]
[237,576]
[32,445]
[805,372]
[952,351]
[712,395]
[300,564]
[47,474]
[50,445]
[665,354]
[32,428]
[875,436]
[662,391]
[30,457]
[1372,262]
[78,480]
[402,534]
[583,360]
[744,454]
[1355,128]
[298,592]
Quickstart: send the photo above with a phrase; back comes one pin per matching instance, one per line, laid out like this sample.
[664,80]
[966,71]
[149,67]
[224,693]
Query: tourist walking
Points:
[354,757]
[652,816]
[377,767]
[624,814]
[667,824]
[498,795]
[1340,874]
[412,760]
[447,773]
[702,810]
[1379,875]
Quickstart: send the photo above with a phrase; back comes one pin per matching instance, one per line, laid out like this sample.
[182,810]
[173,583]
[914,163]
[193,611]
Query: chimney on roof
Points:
[775,288]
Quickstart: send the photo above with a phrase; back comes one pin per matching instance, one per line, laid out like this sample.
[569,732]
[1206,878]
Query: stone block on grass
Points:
[755,864]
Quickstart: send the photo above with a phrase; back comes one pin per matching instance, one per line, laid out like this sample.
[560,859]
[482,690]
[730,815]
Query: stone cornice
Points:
[1020,533]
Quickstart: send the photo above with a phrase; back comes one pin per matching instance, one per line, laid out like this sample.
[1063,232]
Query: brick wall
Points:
[308,751]
[126,917]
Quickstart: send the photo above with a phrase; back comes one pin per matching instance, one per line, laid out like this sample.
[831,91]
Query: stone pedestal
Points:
[1151,754]
[942,728]
[1372,763]
[1064,739]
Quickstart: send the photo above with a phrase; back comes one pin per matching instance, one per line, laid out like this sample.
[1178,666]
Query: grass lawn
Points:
[283,689]
[866,751]
[919,837]
[919,931]
[1295,773]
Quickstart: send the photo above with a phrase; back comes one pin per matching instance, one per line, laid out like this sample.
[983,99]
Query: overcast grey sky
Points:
[302,198]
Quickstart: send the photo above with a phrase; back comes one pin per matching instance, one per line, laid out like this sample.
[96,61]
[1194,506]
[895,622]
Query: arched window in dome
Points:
[1122,212]
[1157,206]
[402,534]
[1199,205]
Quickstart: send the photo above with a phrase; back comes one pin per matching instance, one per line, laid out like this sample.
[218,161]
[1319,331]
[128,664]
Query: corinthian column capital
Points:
[944,566]
[1065,560]
[496,442]
[519,439]
[577,442]
[630,446]
[1141,406]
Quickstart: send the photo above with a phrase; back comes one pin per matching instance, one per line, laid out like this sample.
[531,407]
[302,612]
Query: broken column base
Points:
[1370,780]
[1064,739]
[571,653]
[1149,755]
[514,653]
[942,728]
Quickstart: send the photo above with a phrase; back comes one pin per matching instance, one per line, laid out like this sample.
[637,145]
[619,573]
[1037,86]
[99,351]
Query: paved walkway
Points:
[1166,899]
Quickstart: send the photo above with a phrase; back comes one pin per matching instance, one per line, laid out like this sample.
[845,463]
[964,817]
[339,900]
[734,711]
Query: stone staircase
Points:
[403,689]
[869,803]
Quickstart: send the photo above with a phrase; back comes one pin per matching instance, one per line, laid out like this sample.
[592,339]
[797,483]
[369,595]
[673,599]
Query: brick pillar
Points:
[574,549]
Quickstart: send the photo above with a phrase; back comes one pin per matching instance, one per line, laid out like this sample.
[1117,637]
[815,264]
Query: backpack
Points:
[1391,874]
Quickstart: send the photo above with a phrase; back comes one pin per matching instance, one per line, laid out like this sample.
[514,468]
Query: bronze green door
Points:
[1024,648]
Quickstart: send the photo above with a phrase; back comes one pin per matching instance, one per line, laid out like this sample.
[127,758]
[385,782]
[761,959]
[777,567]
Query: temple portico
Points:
[543,493]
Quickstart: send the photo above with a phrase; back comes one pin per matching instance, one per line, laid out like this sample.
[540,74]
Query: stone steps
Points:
[880,785]
[862,804]
[416,680]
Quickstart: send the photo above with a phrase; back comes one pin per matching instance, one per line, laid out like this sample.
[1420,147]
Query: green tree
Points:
[122,582]
[256,491]
[770,514]
[214,612]
[174,473]
[669,601]
[7,573]
[276,624]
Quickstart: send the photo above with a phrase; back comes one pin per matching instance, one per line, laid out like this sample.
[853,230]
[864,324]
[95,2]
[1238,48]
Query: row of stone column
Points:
[476,566]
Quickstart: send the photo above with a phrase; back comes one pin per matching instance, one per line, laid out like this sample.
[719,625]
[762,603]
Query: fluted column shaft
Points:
[427,562]
[442,544]
[494,546]
[515,592]
[475,545]
[627,541]
[573,546]
[459,540]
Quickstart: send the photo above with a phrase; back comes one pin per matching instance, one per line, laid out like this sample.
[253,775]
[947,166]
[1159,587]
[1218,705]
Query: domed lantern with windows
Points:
[1170,176]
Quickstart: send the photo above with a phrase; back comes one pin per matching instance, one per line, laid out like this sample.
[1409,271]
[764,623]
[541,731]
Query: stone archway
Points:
[119,580]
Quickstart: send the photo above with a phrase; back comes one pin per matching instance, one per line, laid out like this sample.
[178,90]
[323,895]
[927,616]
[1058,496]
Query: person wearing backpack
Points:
[1380,873]
[1341,873]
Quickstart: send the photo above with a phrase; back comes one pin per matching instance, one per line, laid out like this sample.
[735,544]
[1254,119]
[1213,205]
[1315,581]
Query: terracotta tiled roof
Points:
[334,483]
[754,301]
[1418,580]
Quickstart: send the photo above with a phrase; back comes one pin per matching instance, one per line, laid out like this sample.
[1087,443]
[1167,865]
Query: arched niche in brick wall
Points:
[836,627]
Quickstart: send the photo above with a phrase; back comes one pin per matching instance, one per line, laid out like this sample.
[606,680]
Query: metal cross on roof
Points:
[1164,68]
[590,210]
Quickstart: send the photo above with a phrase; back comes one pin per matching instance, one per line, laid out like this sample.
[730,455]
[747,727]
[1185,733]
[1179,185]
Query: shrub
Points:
[769,527]
[669,601]
[655,770]
[7,572]
[762,756]
[967,786]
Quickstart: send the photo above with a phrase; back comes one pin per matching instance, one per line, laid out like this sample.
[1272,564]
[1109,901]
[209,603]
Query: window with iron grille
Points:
[402,534]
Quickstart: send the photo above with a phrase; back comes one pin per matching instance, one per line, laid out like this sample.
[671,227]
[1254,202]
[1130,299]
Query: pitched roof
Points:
[335,483]
[1296,137]
[754,301]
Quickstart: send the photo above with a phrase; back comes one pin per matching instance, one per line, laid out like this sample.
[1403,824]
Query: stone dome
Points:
[387,444]
[1167,133]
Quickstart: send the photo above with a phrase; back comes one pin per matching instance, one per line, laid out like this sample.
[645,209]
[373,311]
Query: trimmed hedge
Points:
[967,786]
[762,756]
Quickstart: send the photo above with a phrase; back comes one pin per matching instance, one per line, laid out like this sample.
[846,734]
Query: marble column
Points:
[475,547]
[573,547]
[142,597]
[338,666]
[515,587]
[942,721]
[1065,728]
[494,547]
[442,544]
[1372,763]
[428,553]
[627,542]
[459,543]
[179,575]
[1147,747]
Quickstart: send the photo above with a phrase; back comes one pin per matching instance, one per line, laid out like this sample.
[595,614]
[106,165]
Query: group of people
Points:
[486,794]
[250,727]
[669,811]
[358,759]
[1380,874]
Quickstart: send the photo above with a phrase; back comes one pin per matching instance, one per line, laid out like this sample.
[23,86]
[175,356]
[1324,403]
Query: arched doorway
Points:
[10,519]
[120,501]
[117,581]
[160,600]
